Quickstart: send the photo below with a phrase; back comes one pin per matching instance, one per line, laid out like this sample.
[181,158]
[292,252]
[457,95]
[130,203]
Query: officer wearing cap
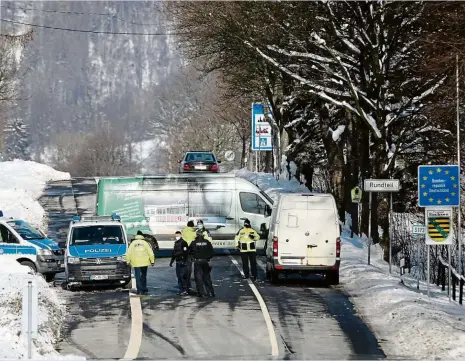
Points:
[202,252]
[200,227]
[246,240]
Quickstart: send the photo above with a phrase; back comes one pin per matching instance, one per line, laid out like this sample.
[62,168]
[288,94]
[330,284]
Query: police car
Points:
[95,251]
[30,247]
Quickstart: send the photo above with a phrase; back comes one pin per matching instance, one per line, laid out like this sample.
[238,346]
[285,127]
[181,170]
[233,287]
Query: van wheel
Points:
[49,277]
[274,277]
[332,278]
[30,264]
[152,241]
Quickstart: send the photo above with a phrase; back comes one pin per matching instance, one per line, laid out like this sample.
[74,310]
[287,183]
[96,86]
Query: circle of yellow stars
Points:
[431,172]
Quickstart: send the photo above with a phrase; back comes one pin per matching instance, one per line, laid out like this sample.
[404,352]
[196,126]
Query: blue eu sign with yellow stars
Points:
[439,186]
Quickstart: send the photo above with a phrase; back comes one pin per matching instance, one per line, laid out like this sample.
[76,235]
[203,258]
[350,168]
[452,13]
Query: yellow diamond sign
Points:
[356,194]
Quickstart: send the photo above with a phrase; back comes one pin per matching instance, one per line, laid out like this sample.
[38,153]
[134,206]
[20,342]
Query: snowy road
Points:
[309,320]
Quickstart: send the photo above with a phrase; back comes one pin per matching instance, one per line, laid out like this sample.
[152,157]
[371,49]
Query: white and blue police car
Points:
[30,247]
[95,251]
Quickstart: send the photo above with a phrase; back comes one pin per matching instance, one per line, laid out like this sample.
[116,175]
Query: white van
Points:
[304,236]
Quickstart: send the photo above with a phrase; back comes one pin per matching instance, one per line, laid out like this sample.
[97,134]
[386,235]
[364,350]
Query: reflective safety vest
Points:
[246,239]
[188,234]
[140,253]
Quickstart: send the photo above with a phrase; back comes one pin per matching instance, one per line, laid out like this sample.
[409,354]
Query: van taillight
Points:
[275,246]
[338,247]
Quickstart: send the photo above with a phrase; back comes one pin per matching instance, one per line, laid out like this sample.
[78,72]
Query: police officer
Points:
[188,234]
[179,255]
[140,255]
[246,240]
[202,251]
[201,227]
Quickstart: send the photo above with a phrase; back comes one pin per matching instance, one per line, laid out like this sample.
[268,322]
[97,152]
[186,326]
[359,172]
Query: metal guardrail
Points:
[457,279]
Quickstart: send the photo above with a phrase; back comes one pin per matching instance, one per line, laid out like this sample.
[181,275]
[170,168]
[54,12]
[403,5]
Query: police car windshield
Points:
[25,230]
[91,235]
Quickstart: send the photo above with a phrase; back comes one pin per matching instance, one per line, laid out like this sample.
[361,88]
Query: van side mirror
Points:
[267,210]
[62,244]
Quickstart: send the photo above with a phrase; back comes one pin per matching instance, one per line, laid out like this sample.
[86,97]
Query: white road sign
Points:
[418,229]
[381,185]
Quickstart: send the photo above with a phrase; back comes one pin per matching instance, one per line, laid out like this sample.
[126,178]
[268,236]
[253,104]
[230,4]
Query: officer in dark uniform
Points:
[202,252]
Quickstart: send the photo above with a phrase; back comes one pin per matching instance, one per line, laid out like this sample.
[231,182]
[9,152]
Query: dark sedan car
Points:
[199,162]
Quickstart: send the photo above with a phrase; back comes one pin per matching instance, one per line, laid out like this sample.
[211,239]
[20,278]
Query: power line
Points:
[77,13]
[84,31]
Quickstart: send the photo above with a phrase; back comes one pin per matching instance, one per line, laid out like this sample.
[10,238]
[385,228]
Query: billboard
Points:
[261,129]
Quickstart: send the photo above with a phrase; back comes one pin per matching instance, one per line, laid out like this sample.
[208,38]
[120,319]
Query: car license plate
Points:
[99,277]
[202,167]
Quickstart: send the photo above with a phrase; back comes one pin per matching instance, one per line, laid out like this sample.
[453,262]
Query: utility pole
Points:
[459,228]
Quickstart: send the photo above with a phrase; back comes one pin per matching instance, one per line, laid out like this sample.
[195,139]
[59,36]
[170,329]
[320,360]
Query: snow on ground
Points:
[411,325]
[21,184]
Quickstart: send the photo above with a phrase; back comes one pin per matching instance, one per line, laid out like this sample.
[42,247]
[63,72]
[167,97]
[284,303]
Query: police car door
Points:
[8,242]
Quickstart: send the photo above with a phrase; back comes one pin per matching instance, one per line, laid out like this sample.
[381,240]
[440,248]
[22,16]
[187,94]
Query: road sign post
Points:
[439,193]
[440,231]
[381,185]
[30,313]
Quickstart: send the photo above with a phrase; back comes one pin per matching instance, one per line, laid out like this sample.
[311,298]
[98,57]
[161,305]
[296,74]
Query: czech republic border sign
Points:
[438,186]
[261,129]
[439,223]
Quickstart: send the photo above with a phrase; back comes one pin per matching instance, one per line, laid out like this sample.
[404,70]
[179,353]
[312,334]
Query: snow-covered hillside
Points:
[21,184]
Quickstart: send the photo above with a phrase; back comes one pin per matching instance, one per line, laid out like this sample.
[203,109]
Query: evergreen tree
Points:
[16,140]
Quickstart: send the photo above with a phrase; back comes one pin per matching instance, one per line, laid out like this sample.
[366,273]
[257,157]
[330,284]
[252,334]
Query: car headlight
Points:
[73,260]
[121,258]
[44,252]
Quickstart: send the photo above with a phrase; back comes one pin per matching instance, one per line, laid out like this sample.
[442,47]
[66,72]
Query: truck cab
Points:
[30,247]
[95,251]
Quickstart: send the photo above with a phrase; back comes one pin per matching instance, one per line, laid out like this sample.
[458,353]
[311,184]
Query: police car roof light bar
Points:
[115,217]
[76,218]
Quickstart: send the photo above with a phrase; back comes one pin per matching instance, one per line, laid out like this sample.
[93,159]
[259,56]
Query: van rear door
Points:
[308,230]
[291,232]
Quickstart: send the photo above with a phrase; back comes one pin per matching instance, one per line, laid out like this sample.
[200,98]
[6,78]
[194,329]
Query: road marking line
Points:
[135,339]
[266,314]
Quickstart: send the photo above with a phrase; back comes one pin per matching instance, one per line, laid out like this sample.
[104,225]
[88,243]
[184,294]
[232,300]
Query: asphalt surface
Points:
[310,320]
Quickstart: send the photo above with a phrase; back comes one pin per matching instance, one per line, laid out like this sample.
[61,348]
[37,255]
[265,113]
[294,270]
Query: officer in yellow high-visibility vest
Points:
[246,240]
[140,255]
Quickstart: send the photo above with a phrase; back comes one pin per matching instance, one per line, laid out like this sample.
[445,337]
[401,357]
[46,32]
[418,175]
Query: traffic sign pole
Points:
[428,270]
[390,234]
[369,227]
[381,185]
[459,216]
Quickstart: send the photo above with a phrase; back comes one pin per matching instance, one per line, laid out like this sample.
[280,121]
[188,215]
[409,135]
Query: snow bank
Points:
[270,185]
[13,345]
[21,184]
[412,325]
